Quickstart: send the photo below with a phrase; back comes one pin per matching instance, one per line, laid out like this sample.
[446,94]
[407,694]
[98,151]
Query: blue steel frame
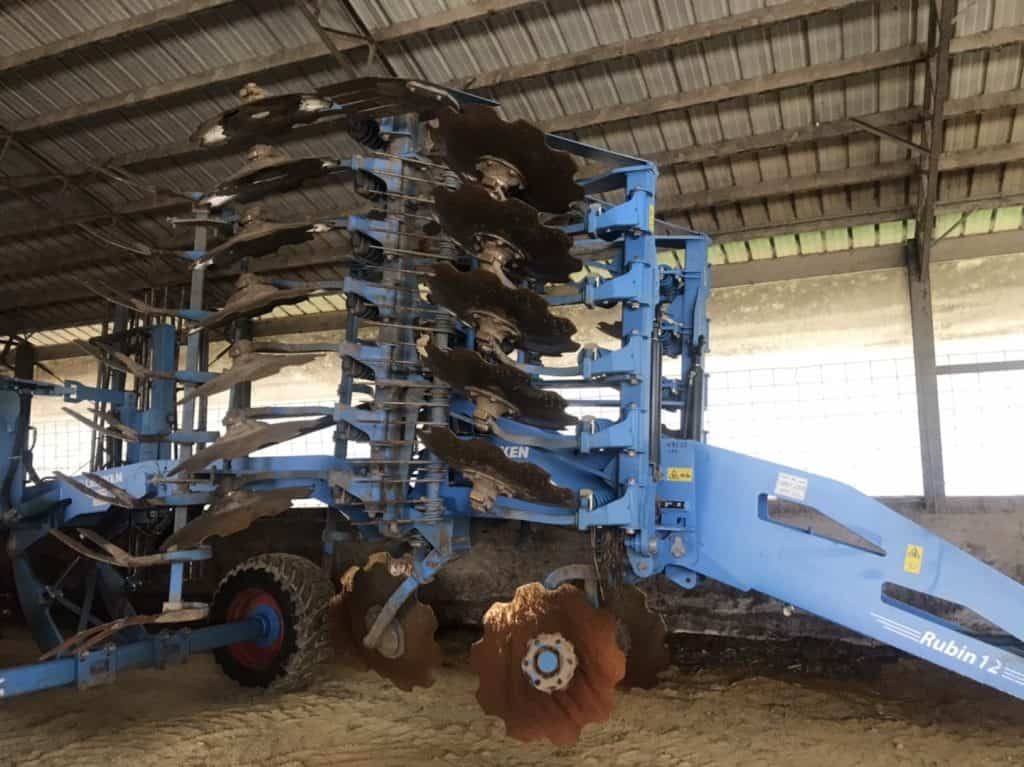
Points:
[687,509]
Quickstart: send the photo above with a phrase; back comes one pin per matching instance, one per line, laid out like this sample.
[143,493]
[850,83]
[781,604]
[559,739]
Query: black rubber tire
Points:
[302,592]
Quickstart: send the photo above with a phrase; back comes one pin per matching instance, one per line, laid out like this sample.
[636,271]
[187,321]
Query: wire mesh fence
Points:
[854,421]
[982,418]
[63,445]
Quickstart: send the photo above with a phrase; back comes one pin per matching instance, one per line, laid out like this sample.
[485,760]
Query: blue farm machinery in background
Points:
[480,241]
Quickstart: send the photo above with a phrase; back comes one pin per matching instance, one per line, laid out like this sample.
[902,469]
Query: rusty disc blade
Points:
[469,212]
[468,293]
[462,368]
[478,131]
[526,480]
[506,692]
[412,653]
[642,636]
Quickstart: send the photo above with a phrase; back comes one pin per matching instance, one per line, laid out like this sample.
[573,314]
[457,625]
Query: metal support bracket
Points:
[622,434]
[635,286]
[425,567]
[597,362]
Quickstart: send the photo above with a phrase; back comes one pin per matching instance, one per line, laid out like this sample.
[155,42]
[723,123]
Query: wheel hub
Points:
[550,662]
[256,603]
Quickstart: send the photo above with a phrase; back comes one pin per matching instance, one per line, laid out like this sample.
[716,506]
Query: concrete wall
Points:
[979,304]
[819,319]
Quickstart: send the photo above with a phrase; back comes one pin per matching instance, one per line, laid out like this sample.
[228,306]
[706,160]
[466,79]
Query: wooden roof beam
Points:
[752,86]
[476,11]
[791,78]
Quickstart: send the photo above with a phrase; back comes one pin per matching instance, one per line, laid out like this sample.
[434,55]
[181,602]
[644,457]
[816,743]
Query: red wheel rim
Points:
[250,654]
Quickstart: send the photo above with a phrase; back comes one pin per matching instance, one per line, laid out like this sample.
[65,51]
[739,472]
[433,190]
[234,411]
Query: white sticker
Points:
[791,486]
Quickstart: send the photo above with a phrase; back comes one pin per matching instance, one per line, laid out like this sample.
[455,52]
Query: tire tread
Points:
[310,591]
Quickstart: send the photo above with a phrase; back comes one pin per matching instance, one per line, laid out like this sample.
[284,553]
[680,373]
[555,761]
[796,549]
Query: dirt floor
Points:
[723,704]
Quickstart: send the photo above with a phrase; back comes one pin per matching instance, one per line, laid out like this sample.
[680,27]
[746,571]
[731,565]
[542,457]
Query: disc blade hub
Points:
[550,662]
[392,640]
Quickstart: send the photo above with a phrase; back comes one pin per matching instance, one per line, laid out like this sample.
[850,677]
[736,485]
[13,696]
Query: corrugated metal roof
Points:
[237,32]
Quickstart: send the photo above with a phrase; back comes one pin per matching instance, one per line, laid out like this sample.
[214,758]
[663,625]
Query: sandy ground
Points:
[717,707]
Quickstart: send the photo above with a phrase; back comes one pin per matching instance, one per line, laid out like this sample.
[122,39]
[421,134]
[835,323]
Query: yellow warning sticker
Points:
[912,560]
[680,474]
[650,221]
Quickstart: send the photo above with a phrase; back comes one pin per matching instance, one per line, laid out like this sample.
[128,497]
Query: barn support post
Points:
[926,381]
[919,251]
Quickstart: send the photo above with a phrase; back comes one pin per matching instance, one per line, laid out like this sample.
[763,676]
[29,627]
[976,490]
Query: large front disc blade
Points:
[478,132]
[499,658]
[408,653]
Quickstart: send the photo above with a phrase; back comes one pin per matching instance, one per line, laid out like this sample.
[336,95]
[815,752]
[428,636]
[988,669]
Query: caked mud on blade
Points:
[470,212]
[642,636]
[478,132]
[480,457]
[254,296]
[468,372]
[477,295]
[246,366]
[244,436]
[268,171]
[234,513]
